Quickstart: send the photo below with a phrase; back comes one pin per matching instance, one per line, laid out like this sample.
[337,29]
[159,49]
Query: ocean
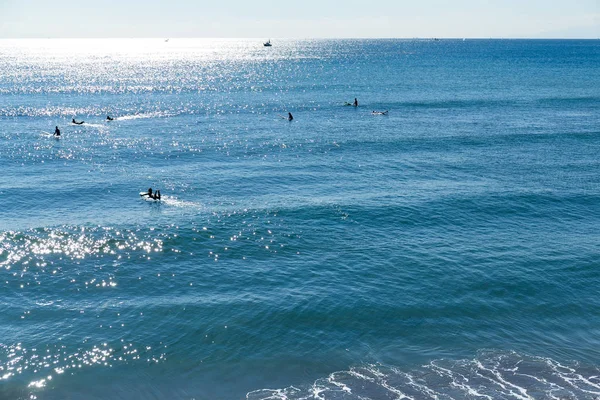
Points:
[449,249]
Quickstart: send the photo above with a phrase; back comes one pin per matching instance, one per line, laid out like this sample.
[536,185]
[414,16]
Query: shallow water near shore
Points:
[446,250]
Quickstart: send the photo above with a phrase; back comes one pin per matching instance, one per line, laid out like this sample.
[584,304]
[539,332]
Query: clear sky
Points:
[300,19]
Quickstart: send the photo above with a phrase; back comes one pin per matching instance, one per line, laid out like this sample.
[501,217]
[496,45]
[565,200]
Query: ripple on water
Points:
[62,318]
[36,367]
[93,296]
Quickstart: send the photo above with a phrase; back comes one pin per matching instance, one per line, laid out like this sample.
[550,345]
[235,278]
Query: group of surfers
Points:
[355,104]
[57,131]
[290,117]
[150,195]
[156,195]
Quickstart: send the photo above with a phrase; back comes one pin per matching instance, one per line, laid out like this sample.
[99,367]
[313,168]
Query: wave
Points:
[35,368]
[60,111]
[491,375]
[175,202]
[50,111]
[488,102]
[105,90]
[144,115]
[46,246]
[570,100]
[92,125]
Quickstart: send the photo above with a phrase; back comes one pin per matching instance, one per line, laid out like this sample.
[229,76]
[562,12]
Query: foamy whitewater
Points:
[447,250]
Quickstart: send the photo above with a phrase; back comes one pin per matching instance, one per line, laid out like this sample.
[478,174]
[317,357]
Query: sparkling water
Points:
[447,250]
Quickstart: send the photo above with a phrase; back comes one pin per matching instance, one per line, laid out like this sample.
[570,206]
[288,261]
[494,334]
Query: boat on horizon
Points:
[267,43]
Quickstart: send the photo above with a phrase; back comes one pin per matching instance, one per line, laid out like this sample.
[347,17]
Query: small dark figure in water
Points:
[108,118]
[290,117]
[77,123]
[150,192]
[56,131]
[355,104]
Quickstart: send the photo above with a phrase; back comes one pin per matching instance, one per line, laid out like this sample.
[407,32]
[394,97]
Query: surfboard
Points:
[144,196]
[48,134]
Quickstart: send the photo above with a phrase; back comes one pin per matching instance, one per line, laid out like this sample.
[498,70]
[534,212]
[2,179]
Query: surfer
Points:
[290,117]
[355,104]
[380,112]
[77,123]
[108,118]
[56,131]
[150,195]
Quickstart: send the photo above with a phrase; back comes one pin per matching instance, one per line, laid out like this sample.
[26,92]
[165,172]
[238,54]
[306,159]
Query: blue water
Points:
[448,250]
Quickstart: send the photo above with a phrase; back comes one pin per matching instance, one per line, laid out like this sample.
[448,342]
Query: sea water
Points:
[447,250]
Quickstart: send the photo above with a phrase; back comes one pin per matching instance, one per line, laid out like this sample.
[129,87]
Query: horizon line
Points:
[310,38]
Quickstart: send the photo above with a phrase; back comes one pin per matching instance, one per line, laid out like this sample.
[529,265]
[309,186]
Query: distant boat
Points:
[267,43]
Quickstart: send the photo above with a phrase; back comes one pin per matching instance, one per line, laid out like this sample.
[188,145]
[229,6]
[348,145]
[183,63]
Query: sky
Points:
[300,19]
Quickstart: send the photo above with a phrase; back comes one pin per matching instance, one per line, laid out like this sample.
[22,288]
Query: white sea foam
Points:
[489,376]
[156,114]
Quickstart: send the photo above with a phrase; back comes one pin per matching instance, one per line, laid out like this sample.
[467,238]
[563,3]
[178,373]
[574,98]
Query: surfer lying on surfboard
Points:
[380,112]
[77,123]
